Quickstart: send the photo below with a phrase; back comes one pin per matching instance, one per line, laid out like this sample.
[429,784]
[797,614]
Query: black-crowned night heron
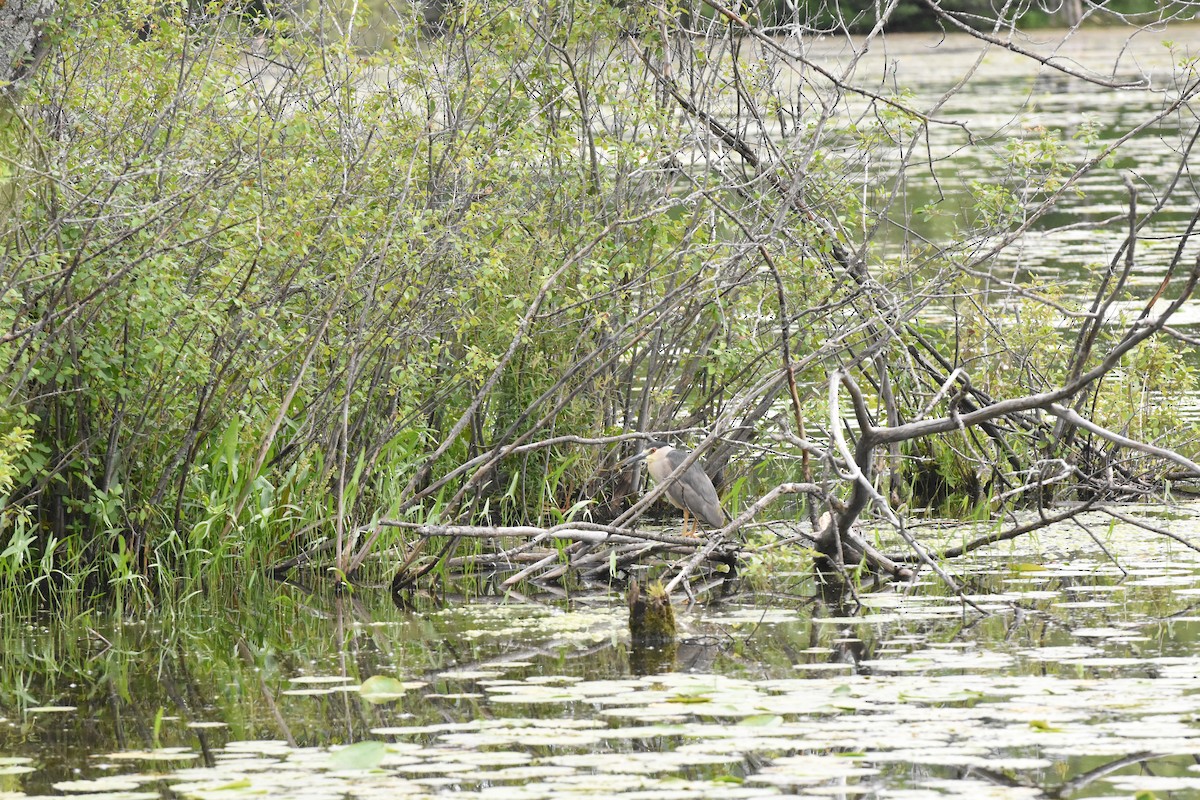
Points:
[692,491]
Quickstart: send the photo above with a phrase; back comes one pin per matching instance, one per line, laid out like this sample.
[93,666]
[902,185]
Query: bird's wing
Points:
[703,501]
[677,457]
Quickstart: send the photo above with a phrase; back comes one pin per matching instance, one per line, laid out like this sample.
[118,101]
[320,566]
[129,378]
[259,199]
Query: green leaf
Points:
[361,755]
[1043,726]
[232,786]
[381,689]
[763,721]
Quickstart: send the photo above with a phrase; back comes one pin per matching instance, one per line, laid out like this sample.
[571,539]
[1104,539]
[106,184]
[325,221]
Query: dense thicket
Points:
[247,293]
[262,289]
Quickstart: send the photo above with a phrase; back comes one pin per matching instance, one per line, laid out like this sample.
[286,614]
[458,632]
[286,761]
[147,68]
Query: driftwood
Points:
[593,552]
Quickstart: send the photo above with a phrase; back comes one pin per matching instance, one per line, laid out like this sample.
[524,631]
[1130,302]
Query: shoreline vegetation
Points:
[273,303]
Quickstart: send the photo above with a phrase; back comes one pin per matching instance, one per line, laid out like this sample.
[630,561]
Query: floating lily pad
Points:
[319,679]
[468,674]
[106,783]
[1099,633]
[112,795]
[16,769]
[161,754]
[360,755]
[382,689]
[50,709]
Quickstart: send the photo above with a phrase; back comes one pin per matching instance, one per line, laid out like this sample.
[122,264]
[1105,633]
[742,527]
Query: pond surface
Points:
[1082,679]
[1007,105]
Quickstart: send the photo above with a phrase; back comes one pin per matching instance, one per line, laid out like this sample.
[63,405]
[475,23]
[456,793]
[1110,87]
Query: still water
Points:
[985,133]
[1076,676]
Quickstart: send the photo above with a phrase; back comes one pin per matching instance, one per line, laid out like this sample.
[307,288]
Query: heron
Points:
[693,491]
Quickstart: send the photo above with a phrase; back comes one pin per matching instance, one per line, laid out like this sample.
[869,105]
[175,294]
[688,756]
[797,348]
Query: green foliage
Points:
[259,277]
[766,561]
[1147,398]
[1021,352]
[275,282]
[15,446]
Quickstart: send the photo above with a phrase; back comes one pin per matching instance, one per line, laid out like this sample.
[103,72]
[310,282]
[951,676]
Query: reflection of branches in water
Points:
[1067,788]
[1079,781]
[268,696]
[186,705]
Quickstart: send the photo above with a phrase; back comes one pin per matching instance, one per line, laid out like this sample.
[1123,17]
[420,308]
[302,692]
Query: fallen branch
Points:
[570,531]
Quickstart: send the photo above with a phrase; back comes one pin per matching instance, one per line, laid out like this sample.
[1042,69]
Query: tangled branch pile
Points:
[271,299]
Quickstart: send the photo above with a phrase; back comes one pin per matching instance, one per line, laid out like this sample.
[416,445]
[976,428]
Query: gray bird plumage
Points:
[692,491]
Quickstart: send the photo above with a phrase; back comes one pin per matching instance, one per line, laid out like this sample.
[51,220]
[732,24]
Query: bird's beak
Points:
[636,457]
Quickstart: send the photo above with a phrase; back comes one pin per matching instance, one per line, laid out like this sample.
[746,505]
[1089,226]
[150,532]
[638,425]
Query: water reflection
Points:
[1082,670]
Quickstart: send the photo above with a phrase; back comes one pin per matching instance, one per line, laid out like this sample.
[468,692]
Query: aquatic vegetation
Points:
[1078,676]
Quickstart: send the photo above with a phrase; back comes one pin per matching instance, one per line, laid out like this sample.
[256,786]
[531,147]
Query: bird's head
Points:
[654,448]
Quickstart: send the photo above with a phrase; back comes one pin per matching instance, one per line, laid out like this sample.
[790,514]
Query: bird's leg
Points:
[686,524]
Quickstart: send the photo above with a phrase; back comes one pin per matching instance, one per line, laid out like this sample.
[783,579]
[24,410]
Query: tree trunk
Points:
[22,45]
[1072,12]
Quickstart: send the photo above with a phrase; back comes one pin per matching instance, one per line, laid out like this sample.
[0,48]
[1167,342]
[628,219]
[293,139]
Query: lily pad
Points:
[16,769]
[106,783]
[50,709]
[319,679]
[360,755]
[160,754]
[382,689]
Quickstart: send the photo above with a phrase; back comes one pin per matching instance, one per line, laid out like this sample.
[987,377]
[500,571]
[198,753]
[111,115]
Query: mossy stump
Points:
[651,616]
[651,629]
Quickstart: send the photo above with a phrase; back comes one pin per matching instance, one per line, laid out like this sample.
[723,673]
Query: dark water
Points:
[1078,663]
